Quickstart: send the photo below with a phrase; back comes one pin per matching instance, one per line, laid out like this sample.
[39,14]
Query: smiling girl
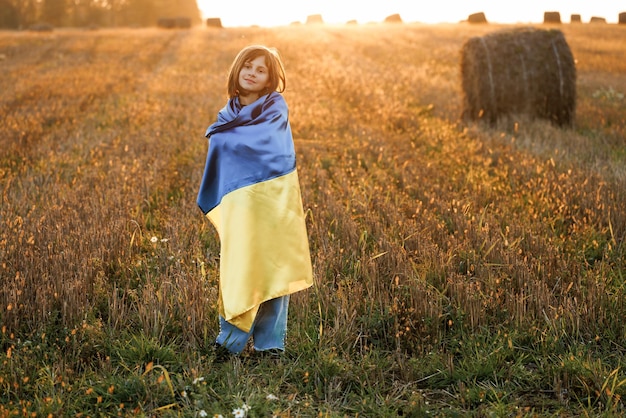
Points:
[251,194]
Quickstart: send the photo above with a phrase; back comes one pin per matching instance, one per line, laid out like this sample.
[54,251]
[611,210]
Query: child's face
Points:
[254,77]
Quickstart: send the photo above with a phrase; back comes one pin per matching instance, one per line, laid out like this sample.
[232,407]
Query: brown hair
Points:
[275,68]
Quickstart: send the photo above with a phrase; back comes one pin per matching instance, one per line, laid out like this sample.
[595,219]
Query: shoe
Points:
[221,353]
[272,353]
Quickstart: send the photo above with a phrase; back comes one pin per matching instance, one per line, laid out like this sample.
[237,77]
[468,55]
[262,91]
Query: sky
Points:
[283,12]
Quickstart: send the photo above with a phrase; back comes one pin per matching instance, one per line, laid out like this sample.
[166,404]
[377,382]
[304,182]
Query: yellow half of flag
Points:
[264,247]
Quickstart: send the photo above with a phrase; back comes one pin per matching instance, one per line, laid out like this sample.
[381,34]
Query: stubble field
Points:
[459,269]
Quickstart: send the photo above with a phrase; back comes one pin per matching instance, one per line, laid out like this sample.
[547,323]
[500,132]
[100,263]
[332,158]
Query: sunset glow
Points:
[284,12]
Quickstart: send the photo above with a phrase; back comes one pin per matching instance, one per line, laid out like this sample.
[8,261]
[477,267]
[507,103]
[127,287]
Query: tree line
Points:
[22,14]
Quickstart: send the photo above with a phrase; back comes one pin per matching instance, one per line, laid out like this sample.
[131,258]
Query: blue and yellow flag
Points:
[251,194]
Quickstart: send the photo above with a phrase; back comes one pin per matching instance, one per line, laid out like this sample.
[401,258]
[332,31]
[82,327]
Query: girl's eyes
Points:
[249,66]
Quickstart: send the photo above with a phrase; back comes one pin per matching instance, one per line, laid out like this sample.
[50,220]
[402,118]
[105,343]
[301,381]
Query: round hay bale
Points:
[477,18]
[352,22]
[520,71]
[166,22]
[394,18]
[314,19]
[575,18]
[622,18]
[596,19]
[552,17]
[214,22]
[41,27]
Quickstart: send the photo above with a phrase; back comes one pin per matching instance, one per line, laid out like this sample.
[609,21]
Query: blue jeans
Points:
[268,329]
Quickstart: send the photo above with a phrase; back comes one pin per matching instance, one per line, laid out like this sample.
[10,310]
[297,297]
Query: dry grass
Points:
[424,233]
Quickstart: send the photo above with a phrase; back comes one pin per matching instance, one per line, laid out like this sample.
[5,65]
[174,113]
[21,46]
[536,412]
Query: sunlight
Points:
[284,12]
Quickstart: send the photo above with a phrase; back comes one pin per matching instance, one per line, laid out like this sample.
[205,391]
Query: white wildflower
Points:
[198,380]
[246,407]
[202,413]
[154,240]
[164,239]
[239,413]
[271,397]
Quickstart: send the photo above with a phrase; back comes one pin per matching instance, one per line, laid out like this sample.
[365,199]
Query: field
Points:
[460,269]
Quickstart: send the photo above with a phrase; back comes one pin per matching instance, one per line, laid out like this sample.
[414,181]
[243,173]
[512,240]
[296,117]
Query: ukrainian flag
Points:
[251,194]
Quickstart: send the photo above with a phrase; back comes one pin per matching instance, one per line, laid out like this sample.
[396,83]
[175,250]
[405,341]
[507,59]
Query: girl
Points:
[250,192]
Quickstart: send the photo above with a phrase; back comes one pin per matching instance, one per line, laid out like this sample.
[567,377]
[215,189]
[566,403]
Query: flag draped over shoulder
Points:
[251,194]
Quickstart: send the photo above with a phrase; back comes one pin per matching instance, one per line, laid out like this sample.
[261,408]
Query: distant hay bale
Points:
[41,27]
[166,22]
[622,18]
[214,22]
[477,18]
[394,18]
[174,22]
[314,19]
[552,17]
[596,19]
[351,22]
[520,71]
[575,18]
